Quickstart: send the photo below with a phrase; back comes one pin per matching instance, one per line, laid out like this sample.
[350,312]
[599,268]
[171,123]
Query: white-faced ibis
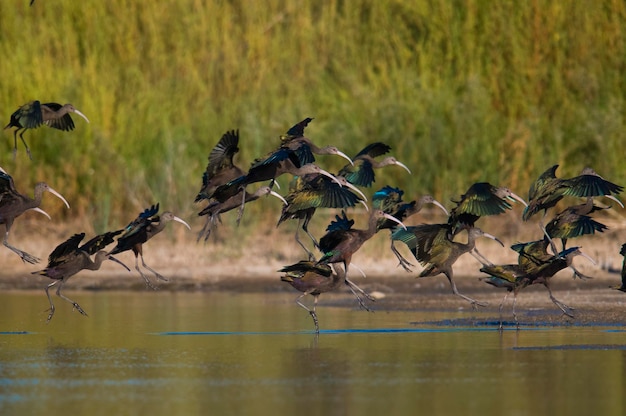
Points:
[13,204]
[341,241]
[33,114]
[432,247]
[310,192]
[389,200]
[141,229]
[512,277]
[481,199]
[574,221]
[215,208]
[515,277]
[548,190]
[68,258]
[266,172]
[312,279]
[220,168]
[622,287]
[303,147]
[361,171]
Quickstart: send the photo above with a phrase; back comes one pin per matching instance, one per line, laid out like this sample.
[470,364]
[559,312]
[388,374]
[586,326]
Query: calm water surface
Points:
[225,353]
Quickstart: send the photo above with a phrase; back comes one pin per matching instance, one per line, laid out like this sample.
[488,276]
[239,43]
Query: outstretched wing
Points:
[62,251]
[99,242]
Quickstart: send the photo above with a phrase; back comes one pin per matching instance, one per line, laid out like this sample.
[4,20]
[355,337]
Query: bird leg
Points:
[158,276]
[482,259]
[545,232]
[403,262]
[354,289]
[311,255]
[25,145]
[74,304]
[243,204]
[51,314]
[567,310]
[579,274]
[500,309]
[28,258]
[145,278]
[474,302]
[311,312]
[514,313]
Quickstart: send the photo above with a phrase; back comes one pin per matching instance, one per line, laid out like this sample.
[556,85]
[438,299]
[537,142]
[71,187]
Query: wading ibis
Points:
[140,230]
[68,258]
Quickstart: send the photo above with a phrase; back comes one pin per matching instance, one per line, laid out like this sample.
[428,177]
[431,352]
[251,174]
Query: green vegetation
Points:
[462,90]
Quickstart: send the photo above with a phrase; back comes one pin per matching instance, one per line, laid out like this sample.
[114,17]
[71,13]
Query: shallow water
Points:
[226,353]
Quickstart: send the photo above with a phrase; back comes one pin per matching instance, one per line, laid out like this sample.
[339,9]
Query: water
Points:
[225,353]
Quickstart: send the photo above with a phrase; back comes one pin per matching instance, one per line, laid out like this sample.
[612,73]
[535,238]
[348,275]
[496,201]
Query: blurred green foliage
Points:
[463,91]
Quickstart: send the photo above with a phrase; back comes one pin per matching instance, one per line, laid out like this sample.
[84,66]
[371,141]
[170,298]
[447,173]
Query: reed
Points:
[462,90]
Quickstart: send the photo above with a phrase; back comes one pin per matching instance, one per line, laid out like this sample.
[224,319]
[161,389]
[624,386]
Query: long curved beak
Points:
[493,237]
[331,176]
[442,207]
[345,156]
[58,195]
[279,196]
[615,199]
[119,262]
[587,257]
[82,115]
[365,205]
[41,211]
[394,219]
[175,218]
[521,200]
[402,165]
[355,190]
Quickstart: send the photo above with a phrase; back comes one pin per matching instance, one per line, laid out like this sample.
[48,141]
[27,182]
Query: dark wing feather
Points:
[66,248]
[305,266]
[100,242]
[296,130]
[374,150]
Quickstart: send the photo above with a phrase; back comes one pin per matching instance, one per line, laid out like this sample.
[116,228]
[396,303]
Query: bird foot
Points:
[28,258]
[79,309]
[162,278]
[50,315]
[476,303]
[405,265]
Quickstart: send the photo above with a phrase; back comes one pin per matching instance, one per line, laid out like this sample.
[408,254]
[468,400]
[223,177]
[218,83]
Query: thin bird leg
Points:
[310,254]
[474,302]
[311,312]
[482,259]
[28,258]
[74,304]
[352,288]
[515,313]
[25,145]
[403,262]
[500,309]
[567,310]
[545,232]
[243,204]
[51,314]
[205,231]
[145,278]
[158,276]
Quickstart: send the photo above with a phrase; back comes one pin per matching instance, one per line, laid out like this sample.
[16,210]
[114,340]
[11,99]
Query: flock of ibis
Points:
[326,260]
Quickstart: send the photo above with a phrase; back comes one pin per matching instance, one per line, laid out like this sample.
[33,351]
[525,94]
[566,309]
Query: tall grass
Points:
[462,90]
